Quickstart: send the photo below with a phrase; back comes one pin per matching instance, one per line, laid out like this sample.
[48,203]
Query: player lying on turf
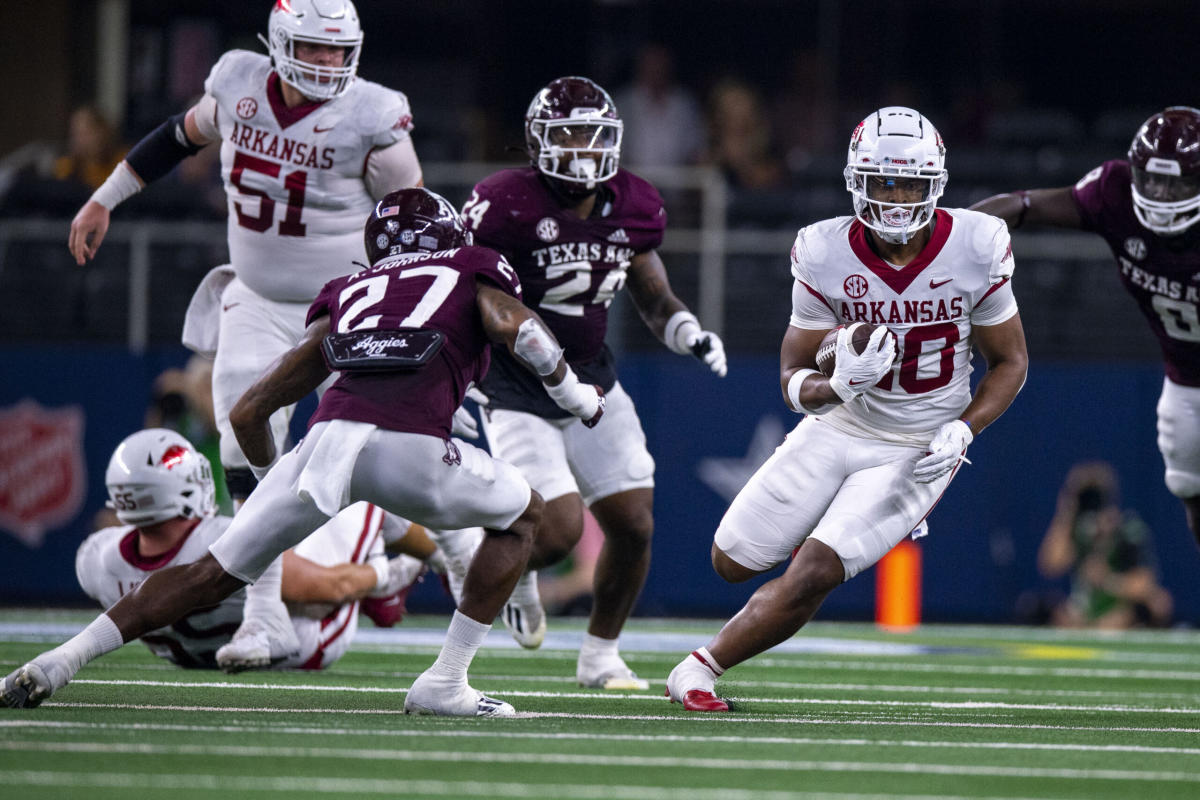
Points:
[888,428]
[161,489]
[406,336]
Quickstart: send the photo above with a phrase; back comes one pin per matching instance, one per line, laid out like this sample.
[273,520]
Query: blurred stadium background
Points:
[1026,94]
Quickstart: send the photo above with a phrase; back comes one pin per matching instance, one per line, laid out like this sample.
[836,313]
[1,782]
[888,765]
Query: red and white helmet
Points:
[895,142]
[329,22]
[1165,160]
[573,133]
[156,475]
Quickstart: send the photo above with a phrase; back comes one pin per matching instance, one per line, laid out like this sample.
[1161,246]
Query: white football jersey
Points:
[960,279]
[109,566]
[294,177]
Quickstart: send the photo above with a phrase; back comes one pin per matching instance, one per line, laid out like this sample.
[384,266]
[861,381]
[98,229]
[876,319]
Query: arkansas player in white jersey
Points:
[1146,207]
[306,150]
[161,489]
[886,432]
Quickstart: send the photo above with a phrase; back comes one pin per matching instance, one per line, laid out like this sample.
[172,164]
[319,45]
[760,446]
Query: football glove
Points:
[464,425]
[948,447]
[709,348]
[853,374]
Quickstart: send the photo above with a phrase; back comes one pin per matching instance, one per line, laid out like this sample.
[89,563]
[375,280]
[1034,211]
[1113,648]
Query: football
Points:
[827,352]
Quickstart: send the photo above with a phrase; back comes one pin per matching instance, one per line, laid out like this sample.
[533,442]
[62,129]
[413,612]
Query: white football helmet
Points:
[156,475]
[330,22]
[895,142]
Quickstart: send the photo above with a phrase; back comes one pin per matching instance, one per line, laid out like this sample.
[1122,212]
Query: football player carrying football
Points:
[306,150]
[1146,206]
[885,433]
[577,228]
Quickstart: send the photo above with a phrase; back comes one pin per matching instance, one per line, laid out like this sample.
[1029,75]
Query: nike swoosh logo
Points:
[933,285]
[858,383]
[231,305]
[317,129]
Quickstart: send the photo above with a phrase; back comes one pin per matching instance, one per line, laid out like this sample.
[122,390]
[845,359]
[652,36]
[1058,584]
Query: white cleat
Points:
[435,696]
[26,687]
[259,644]
[523,614]
[609,673]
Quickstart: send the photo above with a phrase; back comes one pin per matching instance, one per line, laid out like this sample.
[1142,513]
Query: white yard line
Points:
[403,787]
[716,719]
[622,761]
[931,704]
[327,732]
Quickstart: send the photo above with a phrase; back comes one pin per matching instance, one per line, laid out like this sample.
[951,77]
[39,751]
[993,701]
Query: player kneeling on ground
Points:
[407,336]
[888,428]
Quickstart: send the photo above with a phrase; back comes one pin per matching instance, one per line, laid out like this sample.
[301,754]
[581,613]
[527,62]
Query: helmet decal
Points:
[413,220]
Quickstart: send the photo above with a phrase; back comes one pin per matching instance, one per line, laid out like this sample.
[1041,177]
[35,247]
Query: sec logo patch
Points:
[855,286]
[247,107]
[547,229]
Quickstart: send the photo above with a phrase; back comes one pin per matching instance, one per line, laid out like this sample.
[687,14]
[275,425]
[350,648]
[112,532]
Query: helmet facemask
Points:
[888,150]
[1164,200]
[584,149]
[319,22]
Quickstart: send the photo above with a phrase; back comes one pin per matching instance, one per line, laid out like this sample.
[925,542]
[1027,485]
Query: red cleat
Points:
[700,700]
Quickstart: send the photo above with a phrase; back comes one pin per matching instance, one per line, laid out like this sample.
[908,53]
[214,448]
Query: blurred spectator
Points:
[1108,553]
[93,150]
[740,137]
[566,588]
[804,113]
[43,178]
[663,124]
[181,400]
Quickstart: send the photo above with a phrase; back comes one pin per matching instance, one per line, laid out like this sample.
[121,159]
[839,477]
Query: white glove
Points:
[948,447]
[394,574]
[709,348]
[464,424]
[584,400]
[853,374]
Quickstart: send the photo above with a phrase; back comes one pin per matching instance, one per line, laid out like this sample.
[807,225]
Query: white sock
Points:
[263,600]
[98,638]
[702,655]
[594,647]
[463,639]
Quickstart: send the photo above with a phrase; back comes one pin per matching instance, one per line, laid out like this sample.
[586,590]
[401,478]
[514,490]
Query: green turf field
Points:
[841,711]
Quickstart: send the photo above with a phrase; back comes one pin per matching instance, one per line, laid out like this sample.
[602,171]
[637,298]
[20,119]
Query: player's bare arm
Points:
[306,581]
[296,373]
[509,322]
[667,316]
[651,292]
[1003,348]
[1054,207]
[799,352]
[154,151]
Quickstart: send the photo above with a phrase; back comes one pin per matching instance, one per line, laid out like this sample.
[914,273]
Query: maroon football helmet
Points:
[573,134]
[1165,159]
[413,220]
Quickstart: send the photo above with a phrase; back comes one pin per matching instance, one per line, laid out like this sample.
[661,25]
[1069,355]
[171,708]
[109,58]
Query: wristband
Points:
[680,326]
[793,392]
[379,563]
[121,185]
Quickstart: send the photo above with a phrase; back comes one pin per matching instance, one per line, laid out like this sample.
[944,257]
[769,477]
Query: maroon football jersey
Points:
[416,290]
[570,268]
[1161,272]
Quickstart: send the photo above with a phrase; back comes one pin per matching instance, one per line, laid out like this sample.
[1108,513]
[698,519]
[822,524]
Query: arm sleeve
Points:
[391,168]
